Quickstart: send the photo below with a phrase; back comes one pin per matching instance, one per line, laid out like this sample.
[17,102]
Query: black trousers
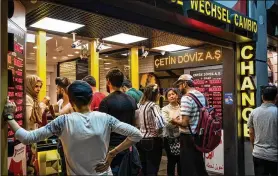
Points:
[173,160]
[150,150]
[264,168]
[192,161]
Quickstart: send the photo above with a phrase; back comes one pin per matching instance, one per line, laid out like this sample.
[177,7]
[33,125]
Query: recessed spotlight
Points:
[70,55]
[65,38]
[106,56]
[107,63]
[76,52]
[106,68]
[52,24]
[124,38]
[54,57]
[171,47]
[32,53]
[35,47]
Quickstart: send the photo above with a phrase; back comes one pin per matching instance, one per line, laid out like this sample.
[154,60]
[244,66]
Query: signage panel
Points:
[189,58]
[247,85]
[221,13]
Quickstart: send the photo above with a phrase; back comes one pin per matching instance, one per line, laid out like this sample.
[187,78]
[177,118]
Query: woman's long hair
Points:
[151,93]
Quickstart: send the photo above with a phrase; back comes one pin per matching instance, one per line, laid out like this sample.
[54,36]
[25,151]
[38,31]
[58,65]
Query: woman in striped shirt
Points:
[151,125]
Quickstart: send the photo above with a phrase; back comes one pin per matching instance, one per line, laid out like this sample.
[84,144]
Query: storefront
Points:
[216,48]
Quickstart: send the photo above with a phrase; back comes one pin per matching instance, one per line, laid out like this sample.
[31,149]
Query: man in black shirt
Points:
[119,105]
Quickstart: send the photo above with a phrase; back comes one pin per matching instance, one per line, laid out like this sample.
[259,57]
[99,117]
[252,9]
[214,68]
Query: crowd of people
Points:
[98,133]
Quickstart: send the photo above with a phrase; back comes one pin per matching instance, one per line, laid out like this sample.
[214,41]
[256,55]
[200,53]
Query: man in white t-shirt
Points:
[64,108]
[191,159]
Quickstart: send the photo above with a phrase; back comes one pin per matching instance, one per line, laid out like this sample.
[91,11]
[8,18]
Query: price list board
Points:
[209,82]
[16,63]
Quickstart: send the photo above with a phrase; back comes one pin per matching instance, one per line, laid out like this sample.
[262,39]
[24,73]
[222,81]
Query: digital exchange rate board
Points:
[209,82]
[17,65]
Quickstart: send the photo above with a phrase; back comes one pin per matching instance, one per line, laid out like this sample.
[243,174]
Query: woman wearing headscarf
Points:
[33,110]
[33,117]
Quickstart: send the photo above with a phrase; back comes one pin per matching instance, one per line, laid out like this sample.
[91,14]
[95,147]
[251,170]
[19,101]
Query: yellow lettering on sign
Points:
[207,7]
[236,19]
[156,62]
[224,15]
[248,98]
[201,6]
[243,52]
[180,59]
[162,62]
[208,56]
[213,10]
[194,4]
[245,130]
[245,113]
[247,84]
[255,27]
[219,13]
[244,68]
[217,54]
[173,60]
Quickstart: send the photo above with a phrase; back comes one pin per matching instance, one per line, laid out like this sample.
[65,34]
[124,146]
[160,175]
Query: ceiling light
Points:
[65,38]
[35,47]
[54,57]
[162,53]
[106,68]
[52,24]
[106,56]
[32,53]
[124,54]
[100,58]
[31,38]
[171,47]
[124,38]
[76,52]
[107,63]
[70,55]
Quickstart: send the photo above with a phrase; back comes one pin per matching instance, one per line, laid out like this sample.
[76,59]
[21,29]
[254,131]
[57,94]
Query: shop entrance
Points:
[157,56]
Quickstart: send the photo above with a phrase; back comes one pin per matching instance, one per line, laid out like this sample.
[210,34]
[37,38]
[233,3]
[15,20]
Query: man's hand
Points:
[102,167]
[9,108]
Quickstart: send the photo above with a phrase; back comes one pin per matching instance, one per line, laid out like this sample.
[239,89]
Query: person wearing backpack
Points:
[190,157]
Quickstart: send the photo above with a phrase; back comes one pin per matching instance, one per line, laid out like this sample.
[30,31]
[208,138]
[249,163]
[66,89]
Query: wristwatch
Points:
[9,117]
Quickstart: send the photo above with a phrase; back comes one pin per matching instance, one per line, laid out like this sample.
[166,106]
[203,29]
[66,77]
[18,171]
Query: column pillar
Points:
[261,49]
[41,61]
[94,62]
[3,83]
[134,67]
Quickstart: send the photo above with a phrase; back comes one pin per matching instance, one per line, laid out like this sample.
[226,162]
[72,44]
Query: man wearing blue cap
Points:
[85,135]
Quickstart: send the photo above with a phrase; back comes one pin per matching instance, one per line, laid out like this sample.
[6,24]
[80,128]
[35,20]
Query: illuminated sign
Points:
[247,86]
[220,13]
[189,58]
